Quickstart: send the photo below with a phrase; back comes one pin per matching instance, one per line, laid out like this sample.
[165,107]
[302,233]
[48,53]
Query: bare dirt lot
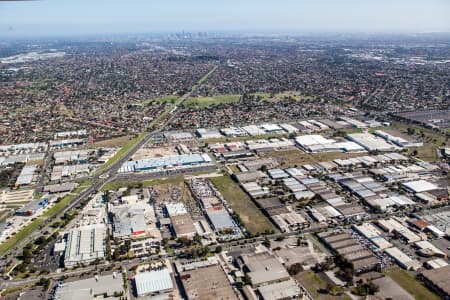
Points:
[153,152]
[178,191]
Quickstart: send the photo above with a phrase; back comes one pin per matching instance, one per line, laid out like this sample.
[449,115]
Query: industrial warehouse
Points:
[85,244]
[306,159]
[166,163]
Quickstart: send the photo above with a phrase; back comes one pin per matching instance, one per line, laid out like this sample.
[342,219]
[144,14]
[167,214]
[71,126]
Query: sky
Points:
[60,17]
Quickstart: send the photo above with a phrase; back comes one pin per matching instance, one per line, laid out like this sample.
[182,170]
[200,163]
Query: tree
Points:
[40,240]
[21,268]
[44,282]
[197,238]
[27,255]
[247,279]
[347,270]
[365,288]
[295,269]
[116,254]
[377,209]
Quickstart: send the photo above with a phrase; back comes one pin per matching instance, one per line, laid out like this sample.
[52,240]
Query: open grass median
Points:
[205,77]
[21,234]
[121,153]
[55,209]
[60,205]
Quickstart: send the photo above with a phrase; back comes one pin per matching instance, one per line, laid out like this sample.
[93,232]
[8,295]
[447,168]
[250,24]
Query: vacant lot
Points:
[166,190]
[313,283]
[152,152]
[296,157]
[390,289]
[115,185]
[113,143]
[240,202]
[209,101]
[410,284]
[121,153]
[179,191]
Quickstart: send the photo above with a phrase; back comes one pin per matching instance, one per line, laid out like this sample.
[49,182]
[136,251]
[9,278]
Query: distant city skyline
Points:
[59,17]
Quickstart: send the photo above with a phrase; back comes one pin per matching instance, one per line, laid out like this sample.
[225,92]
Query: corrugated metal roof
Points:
[154,281]
[220,219]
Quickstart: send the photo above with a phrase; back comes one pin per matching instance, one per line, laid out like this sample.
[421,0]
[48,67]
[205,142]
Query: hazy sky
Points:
[112,16]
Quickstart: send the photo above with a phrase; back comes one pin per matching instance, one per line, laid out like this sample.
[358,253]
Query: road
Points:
[232,245]
[107,175]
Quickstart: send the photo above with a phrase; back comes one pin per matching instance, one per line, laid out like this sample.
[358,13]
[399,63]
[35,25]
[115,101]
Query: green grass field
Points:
[240,202]
[416,288]
[202,102]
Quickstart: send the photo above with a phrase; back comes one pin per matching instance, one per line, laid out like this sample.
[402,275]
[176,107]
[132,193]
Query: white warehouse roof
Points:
[402,259]
[312,139]
[152,282]
[419,186]
[371,142]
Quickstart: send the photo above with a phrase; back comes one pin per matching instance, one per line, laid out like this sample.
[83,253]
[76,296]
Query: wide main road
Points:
[229,246]
[105,174]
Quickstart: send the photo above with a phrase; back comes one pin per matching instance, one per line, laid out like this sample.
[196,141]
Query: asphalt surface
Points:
[105,176]
[231,245]
[109,174]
